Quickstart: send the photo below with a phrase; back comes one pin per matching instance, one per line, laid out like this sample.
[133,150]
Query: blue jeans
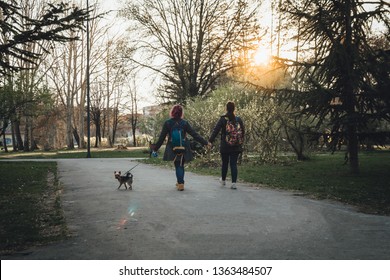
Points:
[179,166]
[232,158]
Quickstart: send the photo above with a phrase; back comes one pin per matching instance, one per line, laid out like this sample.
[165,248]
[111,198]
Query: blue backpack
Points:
[178,137]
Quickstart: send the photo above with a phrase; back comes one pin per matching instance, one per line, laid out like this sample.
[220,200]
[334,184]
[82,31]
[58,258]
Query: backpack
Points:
[178,137]
[234,135]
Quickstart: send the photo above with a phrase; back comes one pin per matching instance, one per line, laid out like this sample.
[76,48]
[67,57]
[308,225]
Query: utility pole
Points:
[88,93]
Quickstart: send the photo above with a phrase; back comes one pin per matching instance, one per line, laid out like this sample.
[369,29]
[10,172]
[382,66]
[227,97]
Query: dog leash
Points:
[132,168]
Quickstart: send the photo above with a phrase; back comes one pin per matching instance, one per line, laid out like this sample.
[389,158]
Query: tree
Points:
[260,115]
[97,104]
[195,41]
[116,69]
[7,108]
[133,107]
[67,72]
[25,37]
[343,80]
[18,29]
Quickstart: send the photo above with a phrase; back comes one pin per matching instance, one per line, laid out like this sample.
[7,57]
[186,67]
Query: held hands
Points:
[152,147]
[153,151]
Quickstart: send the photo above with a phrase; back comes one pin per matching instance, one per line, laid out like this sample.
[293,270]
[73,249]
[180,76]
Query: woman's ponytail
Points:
[230,107]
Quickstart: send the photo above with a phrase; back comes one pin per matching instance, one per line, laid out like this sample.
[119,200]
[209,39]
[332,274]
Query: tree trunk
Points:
[26,143]
[134,136]
[97,133]
[14,138]
[353,149]
[69,101]
[33,143]
[4,139]
[81,117]
[107,114]
[18,135]
[76,136]
[350,101]
[5,144]
[69,128]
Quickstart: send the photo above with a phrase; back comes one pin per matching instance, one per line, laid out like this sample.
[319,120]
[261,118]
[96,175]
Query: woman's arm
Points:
[163,134]
[195,135]
[216,130]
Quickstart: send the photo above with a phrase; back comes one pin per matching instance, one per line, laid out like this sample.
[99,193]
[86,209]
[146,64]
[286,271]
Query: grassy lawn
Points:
[95,153]
[324,176]
[30,208]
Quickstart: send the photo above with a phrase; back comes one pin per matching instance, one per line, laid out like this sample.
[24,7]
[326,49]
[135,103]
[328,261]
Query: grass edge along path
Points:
[324,176]
[30,205]
[137,152]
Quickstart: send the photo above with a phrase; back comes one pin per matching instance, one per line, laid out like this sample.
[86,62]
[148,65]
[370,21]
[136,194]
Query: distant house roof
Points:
[151,110]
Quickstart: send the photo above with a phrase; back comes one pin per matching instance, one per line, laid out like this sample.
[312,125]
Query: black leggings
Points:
[232,157]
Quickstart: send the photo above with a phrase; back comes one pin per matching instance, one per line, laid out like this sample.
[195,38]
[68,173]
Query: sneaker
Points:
[233,186]
[223,183]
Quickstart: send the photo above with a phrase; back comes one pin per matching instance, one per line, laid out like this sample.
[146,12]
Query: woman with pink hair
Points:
[184,154]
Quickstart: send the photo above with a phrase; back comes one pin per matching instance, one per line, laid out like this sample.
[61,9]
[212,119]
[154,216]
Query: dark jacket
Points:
[166,130]
[221,127]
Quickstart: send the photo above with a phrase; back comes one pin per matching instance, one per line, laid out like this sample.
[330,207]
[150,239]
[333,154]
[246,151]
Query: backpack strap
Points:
[181,124]
[237,118]
[173,122]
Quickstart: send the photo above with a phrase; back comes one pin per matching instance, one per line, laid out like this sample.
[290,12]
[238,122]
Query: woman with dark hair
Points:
[178,154]
[232,134]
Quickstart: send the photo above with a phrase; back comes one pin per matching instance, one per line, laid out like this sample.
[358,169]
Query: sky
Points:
[145,85]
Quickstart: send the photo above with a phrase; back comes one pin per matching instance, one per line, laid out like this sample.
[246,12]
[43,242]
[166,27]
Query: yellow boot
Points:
[180,187]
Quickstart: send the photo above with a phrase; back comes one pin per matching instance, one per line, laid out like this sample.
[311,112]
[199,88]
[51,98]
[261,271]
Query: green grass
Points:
[95,153]
[324,176]
[30,208]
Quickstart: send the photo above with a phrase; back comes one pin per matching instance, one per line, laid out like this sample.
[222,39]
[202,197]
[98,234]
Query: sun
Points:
[262,56]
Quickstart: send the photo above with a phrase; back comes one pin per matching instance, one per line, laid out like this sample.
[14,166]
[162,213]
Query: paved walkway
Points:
[206,221]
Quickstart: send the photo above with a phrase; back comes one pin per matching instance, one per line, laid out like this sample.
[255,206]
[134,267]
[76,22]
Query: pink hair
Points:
[176,112]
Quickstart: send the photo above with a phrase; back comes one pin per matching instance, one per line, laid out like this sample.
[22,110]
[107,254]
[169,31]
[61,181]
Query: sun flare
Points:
[262,56]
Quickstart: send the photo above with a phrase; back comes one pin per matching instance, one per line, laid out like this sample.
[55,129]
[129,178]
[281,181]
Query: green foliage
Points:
[6,103]
[256,108]
[19,30]
[342,75]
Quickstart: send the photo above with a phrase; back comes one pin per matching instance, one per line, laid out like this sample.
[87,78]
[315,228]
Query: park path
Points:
[206,221]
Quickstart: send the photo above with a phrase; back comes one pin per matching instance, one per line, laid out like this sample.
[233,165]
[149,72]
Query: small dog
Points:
[127,179]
